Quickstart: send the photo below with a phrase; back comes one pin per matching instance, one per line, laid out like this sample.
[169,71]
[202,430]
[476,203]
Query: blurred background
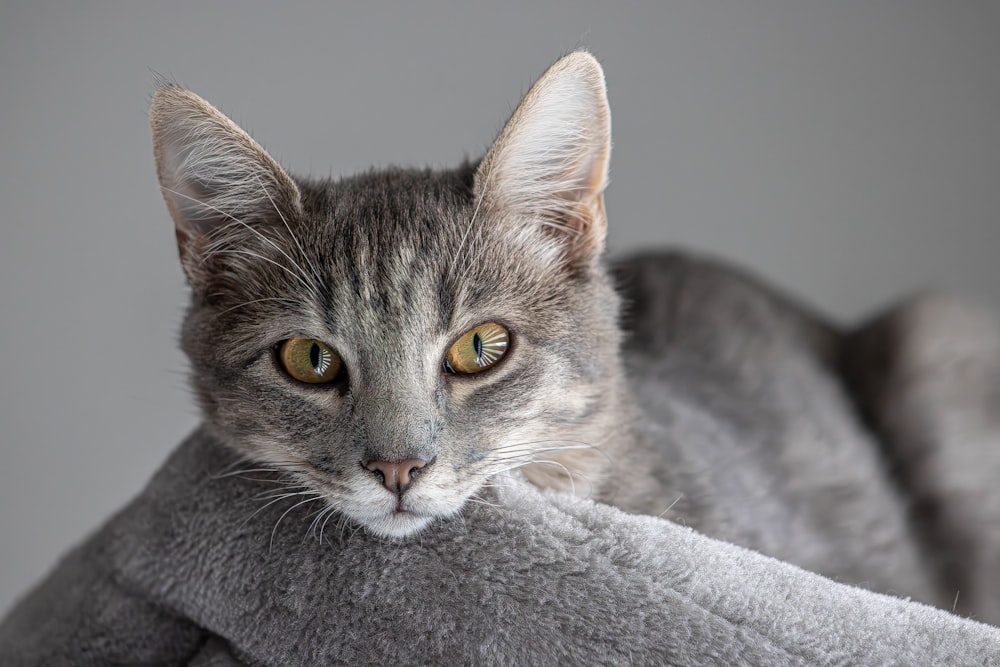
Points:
[846,151]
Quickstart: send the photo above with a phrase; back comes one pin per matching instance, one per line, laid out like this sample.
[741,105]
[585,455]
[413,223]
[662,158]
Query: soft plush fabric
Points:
[541,579]
[188,573]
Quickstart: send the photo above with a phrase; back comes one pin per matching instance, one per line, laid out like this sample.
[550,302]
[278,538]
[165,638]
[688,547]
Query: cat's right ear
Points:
[549,166]
[213,175]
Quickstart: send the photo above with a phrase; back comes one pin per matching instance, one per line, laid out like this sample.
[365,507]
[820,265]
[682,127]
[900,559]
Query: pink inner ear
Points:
[578,209]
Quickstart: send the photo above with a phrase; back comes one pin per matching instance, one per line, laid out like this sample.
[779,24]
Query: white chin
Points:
[395,525]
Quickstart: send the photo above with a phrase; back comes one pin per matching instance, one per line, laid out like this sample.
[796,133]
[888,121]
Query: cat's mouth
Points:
[388,515]
[403,517]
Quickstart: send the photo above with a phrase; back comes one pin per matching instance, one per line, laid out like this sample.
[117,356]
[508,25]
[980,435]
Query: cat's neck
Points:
[593,464]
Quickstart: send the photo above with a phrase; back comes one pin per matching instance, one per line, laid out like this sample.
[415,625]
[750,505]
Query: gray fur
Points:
[928,372]
[748,425]
[665,385]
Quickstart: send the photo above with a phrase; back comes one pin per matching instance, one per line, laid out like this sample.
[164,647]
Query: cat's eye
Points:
[309,360]
[479,348]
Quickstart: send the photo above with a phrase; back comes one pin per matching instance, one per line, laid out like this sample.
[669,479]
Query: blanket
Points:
[199,570]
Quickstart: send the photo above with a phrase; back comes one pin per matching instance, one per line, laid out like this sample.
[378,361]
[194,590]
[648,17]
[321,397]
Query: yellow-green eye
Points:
[478,349]
[309,360]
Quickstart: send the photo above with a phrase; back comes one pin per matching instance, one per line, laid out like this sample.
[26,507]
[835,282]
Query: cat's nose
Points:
[397,477]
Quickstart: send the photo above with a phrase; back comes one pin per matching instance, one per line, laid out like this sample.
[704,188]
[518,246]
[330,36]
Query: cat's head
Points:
[393,339]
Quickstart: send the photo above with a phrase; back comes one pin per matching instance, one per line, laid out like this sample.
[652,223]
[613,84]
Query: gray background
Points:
[848,151]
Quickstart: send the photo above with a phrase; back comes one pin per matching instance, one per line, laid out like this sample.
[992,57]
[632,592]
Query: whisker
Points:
[278,522]
[250,253]
[318,516]
[498,471]
[479,501]
[261,509]
[527,446]
[343,527]
[242,471]
[266,480]
[271,242]
[516,451]
[331,513]
[287,300]
[315,273]
[226,469]
[572,484]
[472,221]
[291,493]
[354,532]
[575,443]
[670,506]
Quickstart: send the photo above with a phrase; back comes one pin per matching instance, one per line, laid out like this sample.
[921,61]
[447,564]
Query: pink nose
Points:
[397,477]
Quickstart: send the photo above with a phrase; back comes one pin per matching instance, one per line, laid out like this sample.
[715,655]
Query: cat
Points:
[394,341]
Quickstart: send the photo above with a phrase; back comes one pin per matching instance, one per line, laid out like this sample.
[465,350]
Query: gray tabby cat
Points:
[394,340]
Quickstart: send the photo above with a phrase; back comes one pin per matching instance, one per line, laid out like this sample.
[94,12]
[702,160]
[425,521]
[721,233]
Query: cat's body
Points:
[388,272]
[746,432]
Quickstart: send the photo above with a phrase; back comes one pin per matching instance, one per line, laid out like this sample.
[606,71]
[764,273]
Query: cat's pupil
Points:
[315,356]
[477,344]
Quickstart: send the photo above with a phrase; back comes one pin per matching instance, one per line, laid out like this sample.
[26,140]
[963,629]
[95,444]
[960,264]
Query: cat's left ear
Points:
[213,175]
[550,162]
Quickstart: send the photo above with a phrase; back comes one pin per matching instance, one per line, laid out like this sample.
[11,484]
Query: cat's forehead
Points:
[390,207]
[384,241]
[402,251]
[400,226]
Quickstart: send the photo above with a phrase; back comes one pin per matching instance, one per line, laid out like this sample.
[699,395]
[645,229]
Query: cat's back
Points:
[750,431]
[677,300]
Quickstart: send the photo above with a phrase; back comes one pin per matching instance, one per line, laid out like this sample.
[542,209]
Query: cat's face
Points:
[380,281]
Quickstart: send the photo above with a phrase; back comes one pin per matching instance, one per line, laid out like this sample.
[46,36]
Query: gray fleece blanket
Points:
[188,574]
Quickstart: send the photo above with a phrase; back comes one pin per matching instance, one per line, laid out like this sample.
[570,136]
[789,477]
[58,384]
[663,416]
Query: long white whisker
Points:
[324,516]
[343,527]
[249,303]
[282,495]
[243,471]
[670,506]
[249,253]
[265,480]
[572,484]
[500,454]
[278,522]
[472,221]
[497,471]
[260,509]
[315,273]
[317,517]
[333,512]
[229,468]
[479,501]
